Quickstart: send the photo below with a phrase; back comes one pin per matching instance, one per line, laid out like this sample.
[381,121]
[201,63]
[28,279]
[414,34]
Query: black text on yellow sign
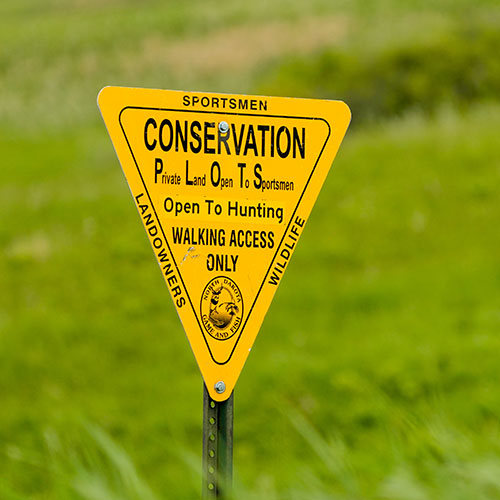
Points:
[224,185]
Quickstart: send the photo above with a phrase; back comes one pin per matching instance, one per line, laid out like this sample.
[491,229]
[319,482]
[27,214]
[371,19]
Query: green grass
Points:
[53,67]
[375,373]
[395,325]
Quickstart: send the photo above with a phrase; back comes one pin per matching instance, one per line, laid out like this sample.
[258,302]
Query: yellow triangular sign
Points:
[224,185]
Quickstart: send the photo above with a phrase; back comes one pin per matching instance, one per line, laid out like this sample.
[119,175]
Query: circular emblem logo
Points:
[221,308]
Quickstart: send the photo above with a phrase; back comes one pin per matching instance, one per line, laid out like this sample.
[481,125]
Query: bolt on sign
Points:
[224,185]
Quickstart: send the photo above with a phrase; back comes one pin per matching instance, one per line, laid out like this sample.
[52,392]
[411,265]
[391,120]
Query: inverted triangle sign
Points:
[224,185]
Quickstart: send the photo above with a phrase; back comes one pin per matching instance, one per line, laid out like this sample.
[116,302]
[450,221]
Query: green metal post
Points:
[217,447]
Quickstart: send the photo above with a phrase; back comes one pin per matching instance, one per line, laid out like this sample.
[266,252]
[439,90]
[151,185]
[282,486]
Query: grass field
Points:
[375,374]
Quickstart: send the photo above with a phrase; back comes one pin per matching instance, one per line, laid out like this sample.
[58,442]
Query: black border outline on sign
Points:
[163,232]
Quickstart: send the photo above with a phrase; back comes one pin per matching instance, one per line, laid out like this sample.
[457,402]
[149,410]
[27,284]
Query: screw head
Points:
[220,387]
[223,127]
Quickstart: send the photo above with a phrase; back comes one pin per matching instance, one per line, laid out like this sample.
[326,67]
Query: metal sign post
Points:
[217,447]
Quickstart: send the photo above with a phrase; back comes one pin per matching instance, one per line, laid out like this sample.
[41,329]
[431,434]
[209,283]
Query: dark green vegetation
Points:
[457,68]
[376,372]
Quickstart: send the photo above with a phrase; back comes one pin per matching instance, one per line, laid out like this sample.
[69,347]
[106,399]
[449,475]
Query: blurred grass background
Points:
[375,374]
